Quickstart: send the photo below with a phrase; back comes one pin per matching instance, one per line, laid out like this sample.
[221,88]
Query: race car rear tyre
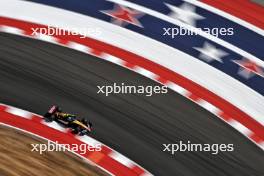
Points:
[75,131]
[48,117]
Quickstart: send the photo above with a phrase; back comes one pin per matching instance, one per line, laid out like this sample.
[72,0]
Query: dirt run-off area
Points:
[16,158]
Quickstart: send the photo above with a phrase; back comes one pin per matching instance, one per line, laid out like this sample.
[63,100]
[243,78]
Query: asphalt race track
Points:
[35,75]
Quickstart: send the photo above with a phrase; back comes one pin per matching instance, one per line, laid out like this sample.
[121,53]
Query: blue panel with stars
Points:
[172,14]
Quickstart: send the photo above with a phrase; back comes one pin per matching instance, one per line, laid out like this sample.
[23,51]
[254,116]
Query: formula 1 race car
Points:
[78,126]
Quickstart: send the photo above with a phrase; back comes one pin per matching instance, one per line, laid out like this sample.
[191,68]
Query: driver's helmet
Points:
[71,118]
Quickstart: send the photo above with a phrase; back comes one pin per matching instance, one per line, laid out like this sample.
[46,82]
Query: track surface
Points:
[35,74]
